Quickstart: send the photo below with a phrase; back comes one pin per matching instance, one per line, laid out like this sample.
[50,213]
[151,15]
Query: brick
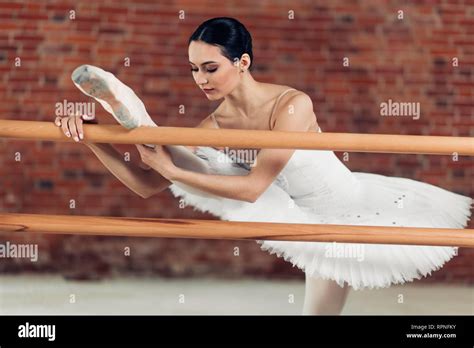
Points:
[9,5]
[33,16]
[113,10]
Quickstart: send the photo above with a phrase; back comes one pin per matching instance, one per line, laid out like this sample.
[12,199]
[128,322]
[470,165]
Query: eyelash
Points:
[210,71]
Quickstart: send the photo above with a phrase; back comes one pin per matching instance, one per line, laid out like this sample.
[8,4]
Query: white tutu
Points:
[315,187]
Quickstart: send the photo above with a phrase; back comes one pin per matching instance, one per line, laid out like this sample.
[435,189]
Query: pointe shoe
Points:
[116,97]
[129,111]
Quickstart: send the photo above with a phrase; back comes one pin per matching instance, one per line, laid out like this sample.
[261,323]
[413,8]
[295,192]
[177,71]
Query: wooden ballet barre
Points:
[215,229]
[253,139]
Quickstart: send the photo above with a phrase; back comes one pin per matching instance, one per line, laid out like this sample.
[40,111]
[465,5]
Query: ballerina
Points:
[279,185]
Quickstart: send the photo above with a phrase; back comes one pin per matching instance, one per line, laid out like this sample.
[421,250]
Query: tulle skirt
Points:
[381,201]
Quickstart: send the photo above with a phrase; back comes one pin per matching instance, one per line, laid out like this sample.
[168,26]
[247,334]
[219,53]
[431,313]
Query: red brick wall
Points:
[403,60]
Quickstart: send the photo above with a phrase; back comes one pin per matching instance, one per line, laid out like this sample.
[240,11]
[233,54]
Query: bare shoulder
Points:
[301,106]
[293,96]
[275,90]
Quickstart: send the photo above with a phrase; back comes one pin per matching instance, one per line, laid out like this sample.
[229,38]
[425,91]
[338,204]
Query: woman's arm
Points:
[269,162]
[228,186]
[144,183]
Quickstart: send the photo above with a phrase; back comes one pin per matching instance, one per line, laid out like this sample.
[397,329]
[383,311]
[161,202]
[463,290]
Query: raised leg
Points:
[129,111]
[323,297]
[117,98]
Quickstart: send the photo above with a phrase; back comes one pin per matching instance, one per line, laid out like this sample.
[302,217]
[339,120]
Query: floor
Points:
[51,294]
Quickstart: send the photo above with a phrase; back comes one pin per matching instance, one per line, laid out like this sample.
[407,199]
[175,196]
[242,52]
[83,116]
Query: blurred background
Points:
[425,54]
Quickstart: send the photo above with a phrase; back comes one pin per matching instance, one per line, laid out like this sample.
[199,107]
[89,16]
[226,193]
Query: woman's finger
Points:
[57,121]
[64,127]
[140,151]
[72,127]
[80,130]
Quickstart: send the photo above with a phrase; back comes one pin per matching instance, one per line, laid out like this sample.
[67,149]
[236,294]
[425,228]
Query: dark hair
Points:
[228,34]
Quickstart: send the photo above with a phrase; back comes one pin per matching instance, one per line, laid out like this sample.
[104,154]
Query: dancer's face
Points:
[211,69]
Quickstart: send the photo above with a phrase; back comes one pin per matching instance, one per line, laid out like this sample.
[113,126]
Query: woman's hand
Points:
[159,159]
[72,126]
